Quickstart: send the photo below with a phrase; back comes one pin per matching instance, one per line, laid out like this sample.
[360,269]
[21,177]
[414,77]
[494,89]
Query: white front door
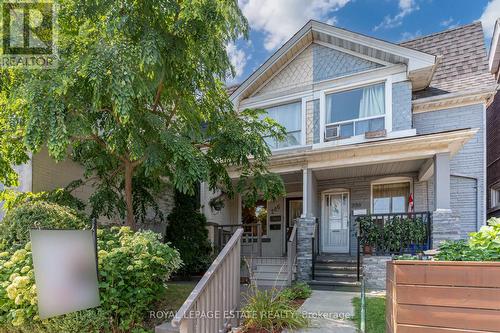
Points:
[335,222]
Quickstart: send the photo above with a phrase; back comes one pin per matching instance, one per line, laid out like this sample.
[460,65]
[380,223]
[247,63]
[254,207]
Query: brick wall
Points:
[467,166]
[493,150]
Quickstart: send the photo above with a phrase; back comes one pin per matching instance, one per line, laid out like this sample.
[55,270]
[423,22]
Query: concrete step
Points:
[269,276]
[335,285]
[270,282]
[271,268]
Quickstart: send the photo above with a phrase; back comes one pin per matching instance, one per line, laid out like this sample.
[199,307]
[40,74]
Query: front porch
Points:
[329,187]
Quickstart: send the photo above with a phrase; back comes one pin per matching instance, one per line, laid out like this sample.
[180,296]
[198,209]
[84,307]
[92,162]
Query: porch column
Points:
[445,223]
[308,193]
[442,181]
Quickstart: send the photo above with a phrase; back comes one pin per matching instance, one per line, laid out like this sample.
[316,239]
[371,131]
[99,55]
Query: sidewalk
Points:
[332,306]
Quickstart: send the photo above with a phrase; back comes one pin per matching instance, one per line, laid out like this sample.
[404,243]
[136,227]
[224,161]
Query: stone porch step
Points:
[345,276]
[335,285]
[335,267]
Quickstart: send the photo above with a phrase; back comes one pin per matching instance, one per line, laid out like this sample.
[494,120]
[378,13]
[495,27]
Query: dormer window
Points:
[290,117]
[355,111]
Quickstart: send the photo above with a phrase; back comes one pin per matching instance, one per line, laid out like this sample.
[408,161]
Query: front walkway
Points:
[330,311]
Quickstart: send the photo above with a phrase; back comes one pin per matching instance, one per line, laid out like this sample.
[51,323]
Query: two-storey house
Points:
[374,128]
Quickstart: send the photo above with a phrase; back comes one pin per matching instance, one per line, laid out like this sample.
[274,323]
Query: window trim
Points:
[387,181]
[495,196]
[388,105]
[284,101]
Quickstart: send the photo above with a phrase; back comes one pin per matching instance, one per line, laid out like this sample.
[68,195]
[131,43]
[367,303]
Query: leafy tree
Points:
[138,93]
[12,125]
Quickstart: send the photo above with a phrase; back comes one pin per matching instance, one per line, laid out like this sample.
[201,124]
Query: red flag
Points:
[410,204]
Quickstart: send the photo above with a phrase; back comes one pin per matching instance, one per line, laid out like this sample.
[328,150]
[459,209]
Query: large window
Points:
[290,117]
[252,215]
[357,111]
[495,196]
[390,198]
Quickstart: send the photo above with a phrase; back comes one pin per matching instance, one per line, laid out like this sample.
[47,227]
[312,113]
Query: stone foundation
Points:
[374,271]
[445,227]
[305,228]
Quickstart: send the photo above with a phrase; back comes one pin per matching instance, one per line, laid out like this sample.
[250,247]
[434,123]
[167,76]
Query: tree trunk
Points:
[129,172]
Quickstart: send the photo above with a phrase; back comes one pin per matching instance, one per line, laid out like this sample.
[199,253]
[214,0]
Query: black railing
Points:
[386,234]
[315,245]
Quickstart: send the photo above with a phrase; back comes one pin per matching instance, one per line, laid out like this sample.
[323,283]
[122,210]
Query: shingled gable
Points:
[420,64]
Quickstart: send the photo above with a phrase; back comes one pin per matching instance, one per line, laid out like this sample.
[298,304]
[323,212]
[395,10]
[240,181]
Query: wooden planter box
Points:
[442,297]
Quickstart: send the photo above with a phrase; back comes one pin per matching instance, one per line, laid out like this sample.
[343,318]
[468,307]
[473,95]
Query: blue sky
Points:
[272,22]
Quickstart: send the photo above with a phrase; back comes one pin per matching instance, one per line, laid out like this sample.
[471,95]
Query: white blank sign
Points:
[65,271]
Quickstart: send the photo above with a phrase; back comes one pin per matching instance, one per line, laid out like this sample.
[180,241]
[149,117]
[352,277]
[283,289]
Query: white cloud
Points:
[406,7]
[280,19]
[410,35]
[238,59]
[489,17]
[449,23]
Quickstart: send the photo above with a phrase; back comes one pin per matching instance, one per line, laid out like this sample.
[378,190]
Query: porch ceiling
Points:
[370,170]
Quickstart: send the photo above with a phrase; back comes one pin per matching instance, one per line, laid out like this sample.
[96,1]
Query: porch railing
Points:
[401,233]
[314,246]
[218,292]
[251,239]
[292,253]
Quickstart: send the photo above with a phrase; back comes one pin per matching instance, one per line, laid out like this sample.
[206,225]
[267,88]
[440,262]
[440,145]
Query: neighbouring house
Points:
[493,131]
[374,129]
[43,173]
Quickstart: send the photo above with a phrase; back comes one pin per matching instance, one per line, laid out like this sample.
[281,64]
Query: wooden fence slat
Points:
[460,297]
[469,319]
[423,329]
[472,276]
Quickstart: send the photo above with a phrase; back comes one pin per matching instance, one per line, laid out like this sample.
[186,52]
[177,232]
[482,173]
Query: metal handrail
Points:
[292,253]
[313,243]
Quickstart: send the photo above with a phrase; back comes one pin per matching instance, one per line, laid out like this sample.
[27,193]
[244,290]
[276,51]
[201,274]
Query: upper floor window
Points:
[495,196]
[290,117]
[356,111]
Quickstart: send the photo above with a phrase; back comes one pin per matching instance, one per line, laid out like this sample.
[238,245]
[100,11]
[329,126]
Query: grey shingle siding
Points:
[401,106]
[467,167]
[329,63]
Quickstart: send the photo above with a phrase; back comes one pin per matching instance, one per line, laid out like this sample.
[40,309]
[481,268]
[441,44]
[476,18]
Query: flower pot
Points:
[367,249]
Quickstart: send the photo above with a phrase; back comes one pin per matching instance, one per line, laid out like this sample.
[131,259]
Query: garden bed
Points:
[461,295]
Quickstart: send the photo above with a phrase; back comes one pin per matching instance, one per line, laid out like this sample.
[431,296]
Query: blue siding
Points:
[401,106]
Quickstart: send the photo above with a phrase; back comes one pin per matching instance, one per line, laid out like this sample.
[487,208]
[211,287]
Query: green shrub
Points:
[133,269]
[59,196]
[187,232]
[268,310]
[483,245]
[16,225]
[300,290]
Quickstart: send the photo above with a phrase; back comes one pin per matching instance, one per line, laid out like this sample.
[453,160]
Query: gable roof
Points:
[419,63]
[463,64]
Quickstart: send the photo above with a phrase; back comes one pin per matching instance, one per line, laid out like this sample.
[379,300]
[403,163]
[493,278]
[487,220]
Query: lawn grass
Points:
[375,314]
[171,301]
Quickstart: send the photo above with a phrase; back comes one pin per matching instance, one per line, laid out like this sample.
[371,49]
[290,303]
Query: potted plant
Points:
[369,233]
